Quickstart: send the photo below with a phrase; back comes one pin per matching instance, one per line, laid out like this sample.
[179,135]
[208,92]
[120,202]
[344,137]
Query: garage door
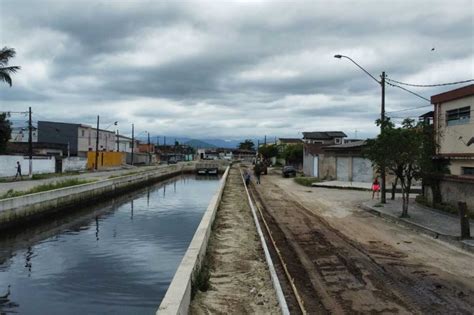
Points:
[362,170]
[342,169]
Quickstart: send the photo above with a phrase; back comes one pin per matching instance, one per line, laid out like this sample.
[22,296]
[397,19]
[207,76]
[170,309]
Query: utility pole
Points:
[118,144]
[97,144]
[149,153]
[133,140]
[30,143]
[382,126]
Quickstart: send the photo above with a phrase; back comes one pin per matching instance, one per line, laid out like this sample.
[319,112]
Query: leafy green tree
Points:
[5,70]
[5,132]
[293,154]
[268,151]
[247,145]
[400,150]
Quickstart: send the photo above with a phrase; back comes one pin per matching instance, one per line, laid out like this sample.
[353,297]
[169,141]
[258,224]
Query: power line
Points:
[409,109]
[430,85]
[407,90]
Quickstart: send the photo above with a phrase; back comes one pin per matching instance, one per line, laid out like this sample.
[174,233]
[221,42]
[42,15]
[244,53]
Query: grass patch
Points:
[51,175]
[124,174]
[45,187]
[306,181]
[444,207]
[201,280]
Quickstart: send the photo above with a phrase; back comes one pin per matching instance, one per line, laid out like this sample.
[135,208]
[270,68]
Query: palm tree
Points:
[5,54]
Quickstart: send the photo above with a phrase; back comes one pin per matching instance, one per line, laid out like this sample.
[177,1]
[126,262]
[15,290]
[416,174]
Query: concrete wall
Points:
[327,166]
[453,191]
[178,295]
[74,163]
[105,159]
[40,164]
[140,158]
[308,163]
[14,211]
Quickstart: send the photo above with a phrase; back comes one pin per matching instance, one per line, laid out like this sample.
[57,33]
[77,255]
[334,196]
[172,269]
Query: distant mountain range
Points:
[197,143]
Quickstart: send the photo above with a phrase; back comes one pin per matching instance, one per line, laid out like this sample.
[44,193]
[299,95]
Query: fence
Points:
[41,164]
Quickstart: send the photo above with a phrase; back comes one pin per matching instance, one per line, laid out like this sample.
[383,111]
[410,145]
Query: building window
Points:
[458,116]
[468,171]
[338,140]
[82,133]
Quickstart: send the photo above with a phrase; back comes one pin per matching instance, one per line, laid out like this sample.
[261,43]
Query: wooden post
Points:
[463,214]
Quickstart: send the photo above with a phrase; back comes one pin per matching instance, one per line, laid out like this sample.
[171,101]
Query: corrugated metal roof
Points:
[323,135]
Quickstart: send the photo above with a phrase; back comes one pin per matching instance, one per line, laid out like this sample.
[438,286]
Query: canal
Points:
[117,257]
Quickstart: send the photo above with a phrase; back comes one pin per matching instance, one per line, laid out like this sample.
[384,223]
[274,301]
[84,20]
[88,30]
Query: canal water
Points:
[117,257]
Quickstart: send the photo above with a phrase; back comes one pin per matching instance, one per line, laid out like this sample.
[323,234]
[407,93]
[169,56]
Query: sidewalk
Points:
[424,219]
[27,184]
[358,186]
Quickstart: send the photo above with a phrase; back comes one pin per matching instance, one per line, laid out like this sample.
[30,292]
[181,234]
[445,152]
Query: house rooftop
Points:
[290,140]
[348,145]
[323,135]
[452,95]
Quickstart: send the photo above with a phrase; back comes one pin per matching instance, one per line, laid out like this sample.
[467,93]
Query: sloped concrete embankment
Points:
[178,295]
[15,211]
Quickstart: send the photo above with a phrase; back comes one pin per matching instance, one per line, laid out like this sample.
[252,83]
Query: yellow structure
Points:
[105,159]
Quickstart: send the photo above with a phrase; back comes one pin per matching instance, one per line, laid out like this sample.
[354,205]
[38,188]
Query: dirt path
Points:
[351,266]
[240,282]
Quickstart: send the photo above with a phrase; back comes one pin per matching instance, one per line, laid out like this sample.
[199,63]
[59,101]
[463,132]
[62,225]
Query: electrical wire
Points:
[430,85]
[407,90]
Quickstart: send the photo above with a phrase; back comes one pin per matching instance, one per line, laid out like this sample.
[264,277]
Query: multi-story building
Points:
[79,138]
[454,129]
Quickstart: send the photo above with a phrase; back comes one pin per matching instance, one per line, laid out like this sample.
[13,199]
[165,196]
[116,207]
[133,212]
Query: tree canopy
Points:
[403,151]
[247,145]
[293,153]
[5,70]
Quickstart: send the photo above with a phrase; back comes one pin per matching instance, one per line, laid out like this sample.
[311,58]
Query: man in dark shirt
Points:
[18,170]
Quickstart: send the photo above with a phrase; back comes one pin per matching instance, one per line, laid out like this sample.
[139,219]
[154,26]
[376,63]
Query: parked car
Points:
[288,171]
[172,162]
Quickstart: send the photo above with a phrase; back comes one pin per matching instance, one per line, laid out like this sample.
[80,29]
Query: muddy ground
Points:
[347,261]
[240,282]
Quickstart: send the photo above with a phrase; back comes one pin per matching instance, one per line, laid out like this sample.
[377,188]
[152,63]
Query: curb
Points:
[453,240]
[398,191]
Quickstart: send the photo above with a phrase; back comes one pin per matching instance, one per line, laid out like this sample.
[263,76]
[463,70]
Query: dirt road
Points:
[240,282]
[346,261]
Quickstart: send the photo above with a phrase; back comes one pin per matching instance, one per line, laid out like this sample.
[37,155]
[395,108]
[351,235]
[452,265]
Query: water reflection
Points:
[117,257]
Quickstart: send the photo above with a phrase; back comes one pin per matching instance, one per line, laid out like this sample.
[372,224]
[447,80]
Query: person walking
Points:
[257,170]
[247,178]
[18,170]
[375,188]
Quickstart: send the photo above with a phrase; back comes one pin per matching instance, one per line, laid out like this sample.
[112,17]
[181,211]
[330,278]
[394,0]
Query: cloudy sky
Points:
[230,69]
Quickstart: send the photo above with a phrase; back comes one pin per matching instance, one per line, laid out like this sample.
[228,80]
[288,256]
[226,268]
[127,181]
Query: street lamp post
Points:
[382,115]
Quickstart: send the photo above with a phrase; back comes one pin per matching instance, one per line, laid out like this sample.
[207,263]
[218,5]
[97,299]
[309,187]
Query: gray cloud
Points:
[231,69]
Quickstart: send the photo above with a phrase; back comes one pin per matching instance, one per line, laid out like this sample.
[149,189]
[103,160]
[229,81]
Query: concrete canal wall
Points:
[14,211]
[178,296]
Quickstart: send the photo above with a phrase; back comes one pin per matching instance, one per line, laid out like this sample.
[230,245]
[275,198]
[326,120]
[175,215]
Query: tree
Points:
[401,151]
[293,154]
[247,145]
[5,71]
[5,132]
[268,151]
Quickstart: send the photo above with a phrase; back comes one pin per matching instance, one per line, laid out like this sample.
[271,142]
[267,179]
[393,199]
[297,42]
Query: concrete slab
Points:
[357,186]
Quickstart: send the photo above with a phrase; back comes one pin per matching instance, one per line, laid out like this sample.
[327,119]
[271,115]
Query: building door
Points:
[342,168]
[362,170]
[316,166]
